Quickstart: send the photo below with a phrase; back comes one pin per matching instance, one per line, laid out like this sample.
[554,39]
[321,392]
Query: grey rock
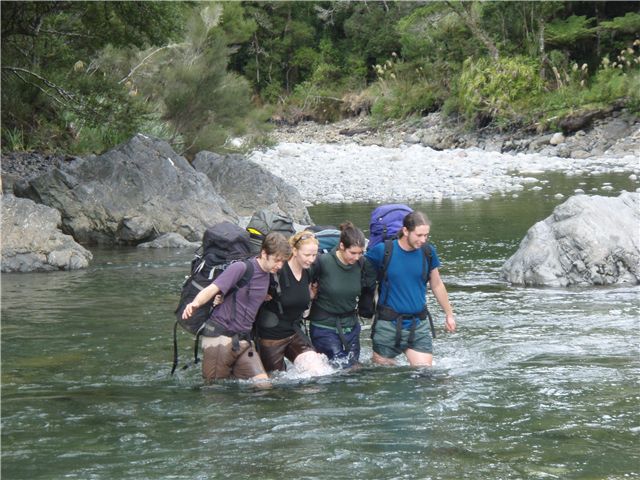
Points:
[32,241]
[170,240]
[540,142]
[616,128]
[563,151]
[412,138]
[129,195]
[557,138]
[580,154]
[493,145]
[248,187]
[587,240]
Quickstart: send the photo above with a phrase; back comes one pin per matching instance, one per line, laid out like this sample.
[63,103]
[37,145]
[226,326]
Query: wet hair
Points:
[303,237]
[351,236]
[413,220]
[277,244]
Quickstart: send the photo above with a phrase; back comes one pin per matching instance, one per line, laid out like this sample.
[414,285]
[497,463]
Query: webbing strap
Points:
[301,329]
[175,348]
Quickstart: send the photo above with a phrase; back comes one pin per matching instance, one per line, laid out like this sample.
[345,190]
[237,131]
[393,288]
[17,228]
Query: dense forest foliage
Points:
[82,77]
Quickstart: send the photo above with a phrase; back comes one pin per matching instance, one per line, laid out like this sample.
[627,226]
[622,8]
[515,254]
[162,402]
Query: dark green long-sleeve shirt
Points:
[339,287]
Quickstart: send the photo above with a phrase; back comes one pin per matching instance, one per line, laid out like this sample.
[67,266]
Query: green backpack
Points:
[266,221]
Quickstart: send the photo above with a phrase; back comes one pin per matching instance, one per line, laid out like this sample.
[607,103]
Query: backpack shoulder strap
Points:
[388,251]
[244,279]
[426,266]
[386,259]
[382,274]
[276,289]
[317,270]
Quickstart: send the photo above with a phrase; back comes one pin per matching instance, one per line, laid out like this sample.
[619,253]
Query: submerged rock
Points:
[587,240]
[32,241]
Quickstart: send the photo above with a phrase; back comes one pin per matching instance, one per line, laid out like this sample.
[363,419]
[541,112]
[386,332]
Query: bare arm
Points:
[440,292]
[203,297]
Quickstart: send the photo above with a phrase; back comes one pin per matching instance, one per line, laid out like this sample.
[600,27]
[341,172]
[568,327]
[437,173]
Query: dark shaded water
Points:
[537,383]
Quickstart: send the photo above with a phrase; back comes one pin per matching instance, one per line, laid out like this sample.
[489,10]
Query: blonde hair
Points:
[303,237]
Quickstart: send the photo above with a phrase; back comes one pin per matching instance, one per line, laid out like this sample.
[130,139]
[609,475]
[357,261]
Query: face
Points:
[306,254]
[272,263]
[352,254]
[418,237]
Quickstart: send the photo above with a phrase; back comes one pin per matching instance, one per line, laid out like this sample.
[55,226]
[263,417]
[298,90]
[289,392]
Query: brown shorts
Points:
[273,352]
[220,361]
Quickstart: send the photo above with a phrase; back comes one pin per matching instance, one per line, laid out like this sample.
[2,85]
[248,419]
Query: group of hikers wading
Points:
[289,281]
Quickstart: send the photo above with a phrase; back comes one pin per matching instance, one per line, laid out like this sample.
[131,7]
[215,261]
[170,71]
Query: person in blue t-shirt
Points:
[401,324]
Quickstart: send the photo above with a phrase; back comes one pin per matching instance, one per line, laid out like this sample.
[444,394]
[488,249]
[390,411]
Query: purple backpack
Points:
[386,221]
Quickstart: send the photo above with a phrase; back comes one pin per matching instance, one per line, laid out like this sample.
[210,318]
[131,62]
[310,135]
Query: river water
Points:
[538,383]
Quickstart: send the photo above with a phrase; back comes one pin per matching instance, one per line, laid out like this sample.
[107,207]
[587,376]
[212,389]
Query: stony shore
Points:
[391,156]
[617,134]
[352,162]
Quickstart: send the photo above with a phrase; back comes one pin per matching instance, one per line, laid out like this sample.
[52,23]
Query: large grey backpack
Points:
[264,222]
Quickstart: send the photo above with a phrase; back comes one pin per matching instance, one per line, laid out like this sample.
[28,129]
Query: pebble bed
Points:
[341,173]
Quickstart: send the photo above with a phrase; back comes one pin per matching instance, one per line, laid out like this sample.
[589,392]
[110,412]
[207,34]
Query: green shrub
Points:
[497,90]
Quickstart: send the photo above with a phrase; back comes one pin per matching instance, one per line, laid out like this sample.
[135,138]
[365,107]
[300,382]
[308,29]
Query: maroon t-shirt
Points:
[248,298]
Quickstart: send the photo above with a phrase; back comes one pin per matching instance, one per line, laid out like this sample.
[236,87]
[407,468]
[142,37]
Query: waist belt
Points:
[214,329]
[340,329]
[389,314]
[323,314]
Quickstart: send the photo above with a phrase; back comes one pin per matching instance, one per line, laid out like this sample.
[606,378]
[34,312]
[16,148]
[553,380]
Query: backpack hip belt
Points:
[339,328]
[389,314]
[323,314]
[215,329]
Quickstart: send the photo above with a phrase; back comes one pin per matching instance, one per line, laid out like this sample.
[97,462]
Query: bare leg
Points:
[261,380]
[312,363]
[380,360]
[418,359]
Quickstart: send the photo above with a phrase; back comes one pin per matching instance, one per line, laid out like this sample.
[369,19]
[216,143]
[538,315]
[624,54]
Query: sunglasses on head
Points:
[304,237]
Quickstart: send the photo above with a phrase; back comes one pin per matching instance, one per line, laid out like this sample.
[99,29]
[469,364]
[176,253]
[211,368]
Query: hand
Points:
[450,323]
[188,311]
[218,299]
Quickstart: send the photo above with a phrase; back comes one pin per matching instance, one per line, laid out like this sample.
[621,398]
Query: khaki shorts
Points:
[384,339]
[220,361]
[273,352]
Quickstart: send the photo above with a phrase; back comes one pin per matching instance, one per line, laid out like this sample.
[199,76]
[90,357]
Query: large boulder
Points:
[587,240]
[248,187]
[128,195]
[32,241]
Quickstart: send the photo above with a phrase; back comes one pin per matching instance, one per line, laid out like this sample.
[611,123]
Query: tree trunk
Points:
[543,54]
[468,18]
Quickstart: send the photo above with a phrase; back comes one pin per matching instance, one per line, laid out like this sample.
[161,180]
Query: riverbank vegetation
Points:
[81,77]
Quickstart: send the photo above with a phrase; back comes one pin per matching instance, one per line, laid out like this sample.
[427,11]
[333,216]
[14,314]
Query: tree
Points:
[49,94]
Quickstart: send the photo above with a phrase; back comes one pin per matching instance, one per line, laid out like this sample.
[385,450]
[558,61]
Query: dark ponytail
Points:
[351,236]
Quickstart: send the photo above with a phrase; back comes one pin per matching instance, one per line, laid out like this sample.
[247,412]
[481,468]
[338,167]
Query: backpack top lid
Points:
[266,221]
[386,222]
[328,239]
[226,241]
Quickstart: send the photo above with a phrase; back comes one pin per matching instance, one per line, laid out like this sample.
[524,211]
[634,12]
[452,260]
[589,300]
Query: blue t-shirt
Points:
[404,291]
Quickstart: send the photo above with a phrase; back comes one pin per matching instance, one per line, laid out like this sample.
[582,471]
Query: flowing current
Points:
[537,383]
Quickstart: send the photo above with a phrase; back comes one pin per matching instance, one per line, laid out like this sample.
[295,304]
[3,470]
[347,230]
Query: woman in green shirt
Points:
[335,328]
